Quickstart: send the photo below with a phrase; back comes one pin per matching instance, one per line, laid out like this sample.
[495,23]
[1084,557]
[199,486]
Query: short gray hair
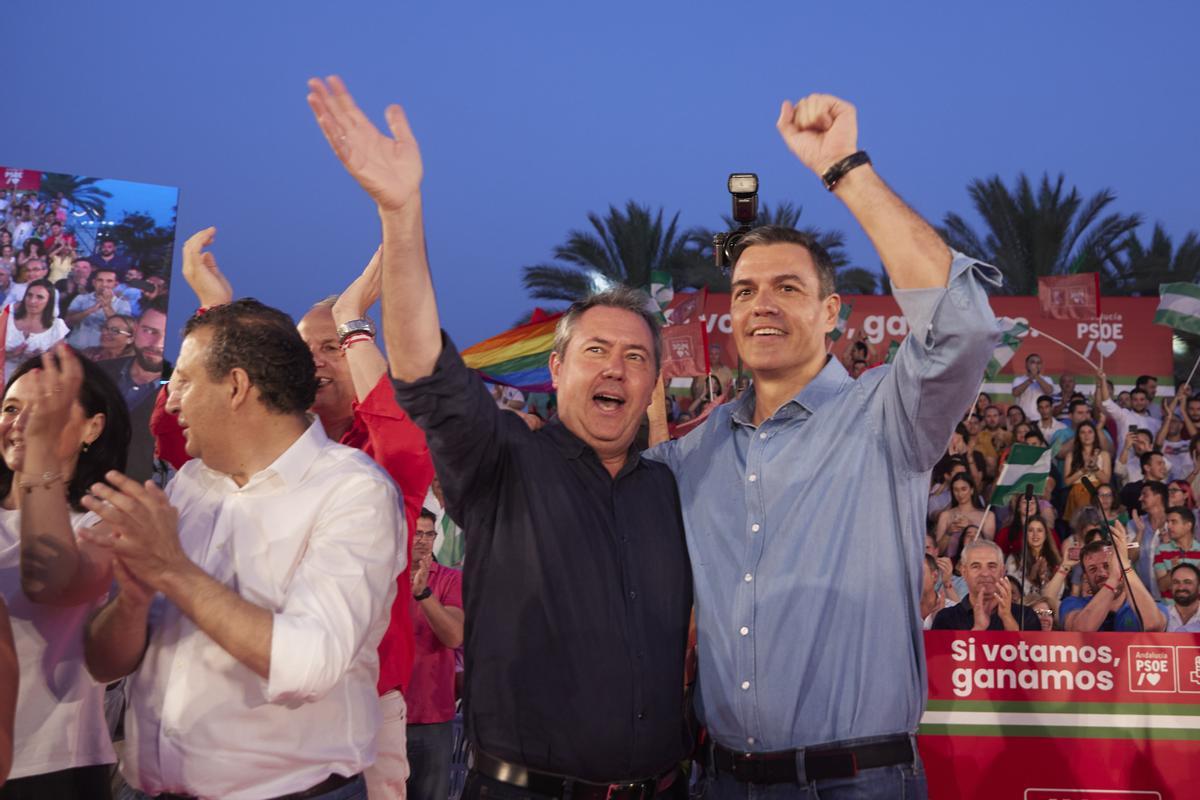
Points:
[622,297]
[986,543]
[325,302]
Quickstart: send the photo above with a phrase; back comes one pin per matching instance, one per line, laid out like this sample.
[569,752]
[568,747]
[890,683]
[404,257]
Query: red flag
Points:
[684,350]
[687,307]
[1070,296]
[23,180]
[4,327]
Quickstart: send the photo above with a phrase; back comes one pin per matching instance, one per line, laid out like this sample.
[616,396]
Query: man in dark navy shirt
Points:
[577,585]
[988,605]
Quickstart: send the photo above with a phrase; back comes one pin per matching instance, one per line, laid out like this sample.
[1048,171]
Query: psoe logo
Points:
[682,348]
[1091,794]
[1151,669]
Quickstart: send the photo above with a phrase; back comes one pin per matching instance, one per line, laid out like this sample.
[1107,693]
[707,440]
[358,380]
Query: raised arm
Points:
[367,364]
[822,130]
[55,569]
[201,272]
[389,169]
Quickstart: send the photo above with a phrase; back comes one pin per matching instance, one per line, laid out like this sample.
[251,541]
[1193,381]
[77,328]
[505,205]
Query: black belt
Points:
[327,785]
[819,764]
[561,785]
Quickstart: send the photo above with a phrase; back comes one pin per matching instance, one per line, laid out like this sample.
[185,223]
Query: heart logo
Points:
[1106,348]
[1153,678]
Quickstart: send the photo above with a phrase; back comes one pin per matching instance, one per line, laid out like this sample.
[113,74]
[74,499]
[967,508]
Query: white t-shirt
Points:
[60,709]
[1028,399]
[35,344]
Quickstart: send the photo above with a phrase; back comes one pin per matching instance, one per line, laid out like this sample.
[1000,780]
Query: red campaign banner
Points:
[1070,296]
[1061,715]
[684,351]
[1125,339]
[23,180]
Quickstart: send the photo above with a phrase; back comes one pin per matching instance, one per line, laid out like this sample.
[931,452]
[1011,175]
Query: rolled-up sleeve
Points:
[938,370]
[340,594]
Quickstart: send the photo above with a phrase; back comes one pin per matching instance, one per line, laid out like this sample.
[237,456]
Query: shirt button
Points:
[755,527]
[744,631]
[750,740]
[633,595]
[753,477]
[748,577]
[745,685]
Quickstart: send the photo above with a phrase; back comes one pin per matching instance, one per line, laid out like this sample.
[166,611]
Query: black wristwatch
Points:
[426,592]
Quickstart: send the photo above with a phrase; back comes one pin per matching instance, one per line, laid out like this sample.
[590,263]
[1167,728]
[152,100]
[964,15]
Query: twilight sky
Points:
[531,114]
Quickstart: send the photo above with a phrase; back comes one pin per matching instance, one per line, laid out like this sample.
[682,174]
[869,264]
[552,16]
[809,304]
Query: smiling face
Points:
[148,339]
[1036,534]
[605,377]
[197,399]
[779,317]
[982,570]
[14,415]
[335,386]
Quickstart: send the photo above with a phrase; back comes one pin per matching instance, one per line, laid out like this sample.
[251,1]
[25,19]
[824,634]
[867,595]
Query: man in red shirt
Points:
[437,615]
[357,408]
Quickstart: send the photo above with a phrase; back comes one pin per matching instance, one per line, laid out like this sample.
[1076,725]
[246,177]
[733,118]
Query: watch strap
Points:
[838,171]
[426,592]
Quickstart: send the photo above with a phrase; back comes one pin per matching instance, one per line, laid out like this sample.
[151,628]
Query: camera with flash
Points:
[743,191]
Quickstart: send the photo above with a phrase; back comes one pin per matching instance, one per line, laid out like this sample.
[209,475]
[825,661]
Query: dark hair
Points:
[779,234]
[1037,434]
[1159,488]
[1076,403]
[30,242]
[263,342]
[1049,549]
[1141,391]
[1184,513]
[1182,565]
[97,270]
[1145,457]
[427,514]
[48,312]
[1077,458]
[1092,547]
[1024,416]
[931,562]
[1142,380]
[158,304]
[1045,397]
[965,477]
[98,394]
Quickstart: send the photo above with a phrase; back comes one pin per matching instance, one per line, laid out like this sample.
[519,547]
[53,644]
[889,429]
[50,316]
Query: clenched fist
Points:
[820,129]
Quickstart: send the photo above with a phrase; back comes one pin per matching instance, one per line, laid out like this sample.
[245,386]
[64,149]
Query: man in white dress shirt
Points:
[254,591]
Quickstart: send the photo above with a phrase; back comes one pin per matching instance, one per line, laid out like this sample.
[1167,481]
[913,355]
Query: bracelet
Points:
[426,592]
[355,338]
[838,171]
[1063,571]
[1112,589]
[48,479]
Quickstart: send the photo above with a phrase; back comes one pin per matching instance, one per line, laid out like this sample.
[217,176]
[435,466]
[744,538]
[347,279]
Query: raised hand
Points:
[388,168]
[56,385]
[201,272]
[820,129]
[361,294]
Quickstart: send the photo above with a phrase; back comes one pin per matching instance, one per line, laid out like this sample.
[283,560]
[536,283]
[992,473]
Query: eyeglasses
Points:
[424,534]
[1045,612]
[115,331]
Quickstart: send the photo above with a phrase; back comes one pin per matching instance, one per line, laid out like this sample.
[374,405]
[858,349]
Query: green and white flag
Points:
[1179,307]
[662,291]
[843,317]
[891,353]
[1011,332]
[1026,465]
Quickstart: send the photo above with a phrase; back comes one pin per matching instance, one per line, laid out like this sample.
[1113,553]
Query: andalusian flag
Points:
[843,318]
[893,348]
[1179,307]
[662,291]
[1011,332]
[1026,465]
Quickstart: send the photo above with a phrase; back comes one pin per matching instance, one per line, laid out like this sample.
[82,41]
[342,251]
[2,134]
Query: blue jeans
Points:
[430,748]
[897,782]
[354,790]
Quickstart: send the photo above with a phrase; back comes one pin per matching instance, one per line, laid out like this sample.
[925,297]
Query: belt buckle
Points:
[844,761]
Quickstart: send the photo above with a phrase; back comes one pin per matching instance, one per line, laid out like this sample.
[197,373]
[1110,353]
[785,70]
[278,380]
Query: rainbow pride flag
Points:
[519,357]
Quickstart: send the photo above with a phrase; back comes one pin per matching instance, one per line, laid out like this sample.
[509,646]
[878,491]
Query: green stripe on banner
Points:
[1178,320]
[1020,706]
[1057,731]
[1189,289]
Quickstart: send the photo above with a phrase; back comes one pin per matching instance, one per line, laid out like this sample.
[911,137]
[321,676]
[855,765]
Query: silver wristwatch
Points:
[347,329]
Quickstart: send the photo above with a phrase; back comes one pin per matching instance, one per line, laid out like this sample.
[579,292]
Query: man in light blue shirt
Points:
[812,674]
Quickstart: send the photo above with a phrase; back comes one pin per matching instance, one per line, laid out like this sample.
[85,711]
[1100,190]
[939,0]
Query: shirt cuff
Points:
[919,305]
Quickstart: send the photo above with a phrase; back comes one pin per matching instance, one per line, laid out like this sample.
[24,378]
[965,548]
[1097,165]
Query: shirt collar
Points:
[826,385]
[291,465]
[572,446]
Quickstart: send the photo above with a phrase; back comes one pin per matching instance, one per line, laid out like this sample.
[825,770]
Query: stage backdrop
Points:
[1125,340]
[1062,716]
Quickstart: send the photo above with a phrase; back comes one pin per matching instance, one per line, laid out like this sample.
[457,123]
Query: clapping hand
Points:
[388,168]
[56,385]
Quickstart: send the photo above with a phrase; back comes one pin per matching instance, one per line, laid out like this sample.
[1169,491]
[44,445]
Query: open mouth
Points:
[608,402]
[323,382]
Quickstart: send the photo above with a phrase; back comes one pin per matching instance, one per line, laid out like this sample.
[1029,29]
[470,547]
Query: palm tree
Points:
[785,215]
[149,245]
[82,193]
[1140,267]
[623,247]
[1030,234]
